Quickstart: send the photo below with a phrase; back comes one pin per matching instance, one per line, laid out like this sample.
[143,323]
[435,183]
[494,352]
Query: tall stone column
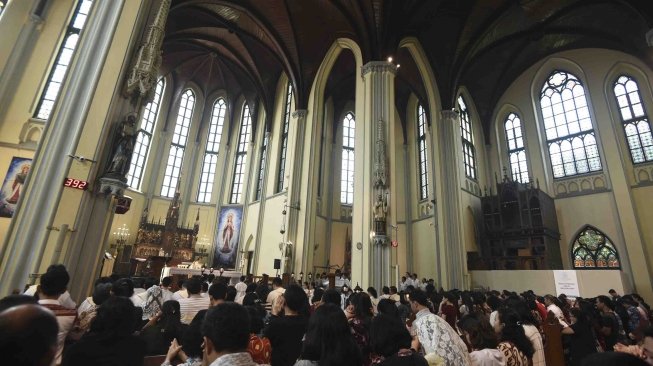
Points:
[28,234]
[451,266]
[371,211]
[293,254]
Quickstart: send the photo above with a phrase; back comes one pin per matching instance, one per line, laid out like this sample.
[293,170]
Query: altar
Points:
[232,276]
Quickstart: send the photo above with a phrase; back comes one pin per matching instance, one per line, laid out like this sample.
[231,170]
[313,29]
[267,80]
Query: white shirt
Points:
[558,314]
[436,336]
[65,300]
[65,319]
[272,296]
[241,288]
[85,305]
[180,294]
[535,337]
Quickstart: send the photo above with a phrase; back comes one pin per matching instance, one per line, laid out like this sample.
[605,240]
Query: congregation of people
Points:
[205,321]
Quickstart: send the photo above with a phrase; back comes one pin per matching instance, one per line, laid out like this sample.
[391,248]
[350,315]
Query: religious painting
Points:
[227,238]
[12,187]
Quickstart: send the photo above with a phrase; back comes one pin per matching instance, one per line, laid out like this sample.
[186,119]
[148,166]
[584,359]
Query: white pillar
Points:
[28,234]
[451,267]
[294,188]
[371,258]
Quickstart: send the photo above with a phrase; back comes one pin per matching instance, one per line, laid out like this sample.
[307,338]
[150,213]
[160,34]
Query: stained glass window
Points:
[469,152]
[592,249]
[144,138]
[516,149]
[284,140]
[62,61]
[634,119]
[211,153]
[422,153]
[178,146]
[347,171]
[241,156]
[568,125]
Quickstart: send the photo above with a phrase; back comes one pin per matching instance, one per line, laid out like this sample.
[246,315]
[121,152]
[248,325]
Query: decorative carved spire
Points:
[147,60]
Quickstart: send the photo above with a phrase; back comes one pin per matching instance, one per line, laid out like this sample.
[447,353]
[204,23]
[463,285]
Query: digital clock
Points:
[75,183]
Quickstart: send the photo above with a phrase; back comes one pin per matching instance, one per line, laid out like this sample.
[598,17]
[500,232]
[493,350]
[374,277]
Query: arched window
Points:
[284,140]
[61,62]
[144,137]
[261,168]
[568,125]
[592,249]
[347,171]
[241,156]
[516,149]
[179,138]
[211,152]
[469,152]
[422,153]
[634,119]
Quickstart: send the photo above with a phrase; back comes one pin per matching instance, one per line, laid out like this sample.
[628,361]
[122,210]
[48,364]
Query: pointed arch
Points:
[592,249]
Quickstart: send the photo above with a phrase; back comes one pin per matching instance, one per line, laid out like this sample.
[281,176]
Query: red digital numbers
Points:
[75,183]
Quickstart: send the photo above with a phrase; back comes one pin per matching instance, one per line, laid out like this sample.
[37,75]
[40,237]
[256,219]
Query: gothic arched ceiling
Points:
[243,46]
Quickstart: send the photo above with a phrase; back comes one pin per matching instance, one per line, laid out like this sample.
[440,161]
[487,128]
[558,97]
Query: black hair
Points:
[387,307]
[393,289]
[388,335]
[251,299]
[362,307]
[101,293]
[262,291]
[218,291]
[123,287]
[115,319]
[242,278]
[372,292]
[480,332]
[277,282]
[385,290]
[514,332]
[331,296]
[328,339]
[522,310]
[296,298]
[192,338]
[54,280]
[606,301]
[255,320]
[194,286]
[15,300]
[419,297]
[26,341]
[251,288]
[170,320]
[231,293]
[166,281]
[205,287]
[317,295]
[227,327]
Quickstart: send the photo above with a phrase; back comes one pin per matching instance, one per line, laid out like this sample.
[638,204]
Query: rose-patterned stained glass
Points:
[592,249]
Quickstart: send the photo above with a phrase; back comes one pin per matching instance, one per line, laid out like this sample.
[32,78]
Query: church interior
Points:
[460,140]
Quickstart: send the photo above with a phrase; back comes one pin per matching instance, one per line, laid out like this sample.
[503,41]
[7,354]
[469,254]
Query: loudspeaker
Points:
[277,264]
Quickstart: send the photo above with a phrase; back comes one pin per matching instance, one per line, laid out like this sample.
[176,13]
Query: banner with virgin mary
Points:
[225,250]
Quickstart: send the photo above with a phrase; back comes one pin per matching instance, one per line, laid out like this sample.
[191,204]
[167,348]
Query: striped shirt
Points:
[189,307]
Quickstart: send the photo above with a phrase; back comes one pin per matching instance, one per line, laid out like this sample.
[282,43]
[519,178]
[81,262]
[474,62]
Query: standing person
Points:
[181,293]
[551,305]
[482,339]
[286,331]
[434,334]
[344,296]
[277,290]
[371,291]
[582,340]
[328,340]
[241,290]
[515,346]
